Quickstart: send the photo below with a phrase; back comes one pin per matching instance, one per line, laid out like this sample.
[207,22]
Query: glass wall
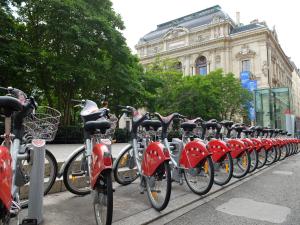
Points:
[271,105]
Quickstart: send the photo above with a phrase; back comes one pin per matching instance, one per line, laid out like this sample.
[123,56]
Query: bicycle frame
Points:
[11,159]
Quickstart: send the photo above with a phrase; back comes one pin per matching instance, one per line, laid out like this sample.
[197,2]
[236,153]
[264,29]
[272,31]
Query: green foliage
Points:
[67,49]
[216,95]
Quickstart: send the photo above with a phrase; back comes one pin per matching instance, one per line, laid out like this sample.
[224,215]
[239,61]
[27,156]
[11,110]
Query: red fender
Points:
[218,149]
[249,144]
[257,143]
[192,154]
[154,156]
[101,160]
[274,141]
[6,174]
[237,147]
[267,143]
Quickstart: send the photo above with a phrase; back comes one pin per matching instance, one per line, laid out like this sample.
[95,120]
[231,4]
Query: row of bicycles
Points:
[205,153]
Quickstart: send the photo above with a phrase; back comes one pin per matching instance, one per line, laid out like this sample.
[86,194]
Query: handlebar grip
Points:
[76,101]
[3,89]
[181,116]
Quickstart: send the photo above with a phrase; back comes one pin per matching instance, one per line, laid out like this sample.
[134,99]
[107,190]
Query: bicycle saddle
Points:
[276,131]
[10,105]
[247,131]
[155,124]
[226,123]
[213,123]
[102,125]
[188,125]
[239,127]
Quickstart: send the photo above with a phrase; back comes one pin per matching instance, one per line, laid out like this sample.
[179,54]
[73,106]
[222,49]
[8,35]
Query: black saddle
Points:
[213,123]
[154,124]
[188,125]
[10,105]
[227,123]
[93,126]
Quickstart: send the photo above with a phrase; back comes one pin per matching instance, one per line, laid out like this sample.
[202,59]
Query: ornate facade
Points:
[210,39]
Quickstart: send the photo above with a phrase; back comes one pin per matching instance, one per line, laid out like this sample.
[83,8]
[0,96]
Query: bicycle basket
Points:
[43,124]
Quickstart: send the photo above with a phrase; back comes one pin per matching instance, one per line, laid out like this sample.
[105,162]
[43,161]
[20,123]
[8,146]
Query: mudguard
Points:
[5,177]
[237,147]
[267,143]
[257,143]
[153,157]
[192,154]
[218,149]
[63,166]
[101,160]
[249,144]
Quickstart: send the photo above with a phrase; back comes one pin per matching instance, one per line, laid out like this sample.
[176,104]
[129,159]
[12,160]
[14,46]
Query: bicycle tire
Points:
[262,158]
[163,172]
[103,197]
[53,173]
[66,175]
[131,170]
[283,153]
[246,159]
[207,162]
[254,161]
[271,156]
[228,170]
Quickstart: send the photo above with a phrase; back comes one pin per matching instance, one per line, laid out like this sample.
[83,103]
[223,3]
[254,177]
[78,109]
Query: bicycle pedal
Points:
[29,222]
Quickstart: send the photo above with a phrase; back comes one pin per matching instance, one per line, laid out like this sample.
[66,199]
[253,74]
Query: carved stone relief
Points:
[245,52]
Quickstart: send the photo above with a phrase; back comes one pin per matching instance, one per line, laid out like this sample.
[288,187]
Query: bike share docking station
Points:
[36,186]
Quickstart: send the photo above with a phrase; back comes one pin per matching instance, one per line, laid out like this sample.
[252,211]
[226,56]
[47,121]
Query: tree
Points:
[76,50]
[216,95]
[13,50]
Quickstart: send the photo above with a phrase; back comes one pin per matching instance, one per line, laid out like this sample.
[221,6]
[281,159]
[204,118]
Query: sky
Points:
[142,16]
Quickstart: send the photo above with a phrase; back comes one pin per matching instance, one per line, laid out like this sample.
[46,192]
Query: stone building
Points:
[210,39]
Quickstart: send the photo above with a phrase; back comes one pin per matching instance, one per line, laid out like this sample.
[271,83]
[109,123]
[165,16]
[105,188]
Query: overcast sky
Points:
[142,16]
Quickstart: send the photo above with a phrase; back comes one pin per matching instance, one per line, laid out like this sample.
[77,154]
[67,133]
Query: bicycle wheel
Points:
[4,215]
[254,161]
[125,169]
[76,176]
[103,199]
[49,177]
[241,165]
[283,152]
[262,158]
[271,156]
[159,187]
[200,179]
[223,170]
[278,153]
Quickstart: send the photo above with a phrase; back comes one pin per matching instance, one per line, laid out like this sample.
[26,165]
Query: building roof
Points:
[189,21]
[247,27]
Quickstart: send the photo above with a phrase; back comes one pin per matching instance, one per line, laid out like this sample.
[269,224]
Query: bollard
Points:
[36,186]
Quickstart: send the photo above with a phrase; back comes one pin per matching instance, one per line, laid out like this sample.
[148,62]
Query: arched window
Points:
[178,66]
[201,65]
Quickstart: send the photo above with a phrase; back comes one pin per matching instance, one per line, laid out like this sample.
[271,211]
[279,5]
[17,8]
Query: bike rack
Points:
[36,186]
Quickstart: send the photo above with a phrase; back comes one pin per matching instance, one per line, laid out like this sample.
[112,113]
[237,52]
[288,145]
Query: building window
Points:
[218,62]
[201,65]
[178,66]
[246,65]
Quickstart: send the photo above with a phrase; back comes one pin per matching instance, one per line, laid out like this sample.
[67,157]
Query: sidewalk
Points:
[131,207]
